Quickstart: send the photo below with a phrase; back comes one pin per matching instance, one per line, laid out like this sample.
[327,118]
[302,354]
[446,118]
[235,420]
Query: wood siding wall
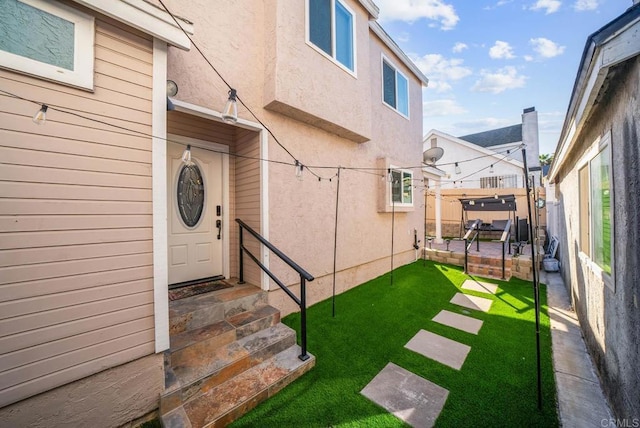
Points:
[247,195]
[76,274]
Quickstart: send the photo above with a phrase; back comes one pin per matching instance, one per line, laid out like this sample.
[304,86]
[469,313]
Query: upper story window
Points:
[595,186]
[47,39]
[331,30]
[395,88]
[401,187]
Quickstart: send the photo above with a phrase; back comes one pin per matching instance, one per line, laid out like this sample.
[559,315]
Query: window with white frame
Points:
[395,88]
[596,221]
[330,28]
[401,187]
[48,40]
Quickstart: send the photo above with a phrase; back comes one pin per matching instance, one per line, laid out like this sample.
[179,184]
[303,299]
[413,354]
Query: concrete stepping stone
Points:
[482,287]
[461,322]
[438,348]
[409,397]
[472,302]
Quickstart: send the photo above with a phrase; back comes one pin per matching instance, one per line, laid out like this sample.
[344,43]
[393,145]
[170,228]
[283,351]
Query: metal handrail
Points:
[475,230]
[506,237]
[304,276]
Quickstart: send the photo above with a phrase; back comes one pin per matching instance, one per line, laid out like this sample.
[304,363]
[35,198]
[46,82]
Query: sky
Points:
[487,60]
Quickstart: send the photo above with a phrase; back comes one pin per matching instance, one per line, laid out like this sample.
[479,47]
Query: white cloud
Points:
[582,5]
[500,81]
[498,4]
[501,50]
[546,48]
[413,10]
[551,6]
[441,70]
[459,47]
[442,108]
[528,58]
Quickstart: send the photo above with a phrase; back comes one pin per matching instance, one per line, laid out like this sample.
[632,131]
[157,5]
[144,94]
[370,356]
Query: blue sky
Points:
[487,60]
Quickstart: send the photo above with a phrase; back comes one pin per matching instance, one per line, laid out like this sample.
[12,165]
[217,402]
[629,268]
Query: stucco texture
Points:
[609,314]
[324,116]
[110,398]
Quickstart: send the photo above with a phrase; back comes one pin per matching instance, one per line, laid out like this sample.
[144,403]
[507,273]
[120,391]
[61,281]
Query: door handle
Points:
[219,226]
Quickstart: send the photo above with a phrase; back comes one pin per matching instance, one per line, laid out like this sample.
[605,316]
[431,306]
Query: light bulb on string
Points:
[495,196]
[458,170]
[389,176]
[230,111]
[186,155]
[41,115]
[491,169]
[299,170]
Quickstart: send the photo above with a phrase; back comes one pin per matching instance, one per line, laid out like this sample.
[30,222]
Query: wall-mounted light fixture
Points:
[230,111]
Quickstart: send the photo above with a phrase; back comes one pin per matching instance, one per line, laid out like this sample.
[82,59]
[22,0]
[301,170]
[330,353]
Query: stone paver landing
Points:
[409,397]
[438,348]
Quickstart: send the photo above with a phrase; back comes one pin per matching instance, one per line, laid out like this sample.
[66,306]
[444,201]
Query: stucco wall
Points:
[269,62]
[610,319]
[110,398]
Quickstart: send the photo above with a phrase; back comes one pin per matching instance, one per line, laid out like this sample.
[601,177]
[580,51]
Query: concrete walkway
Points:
[580,399]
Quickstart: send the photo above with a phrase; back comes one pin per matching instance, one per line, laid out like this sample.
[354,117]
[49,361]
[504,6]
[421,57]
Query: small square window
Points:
[330,29]
[395,88]
[401,187]
[48,40]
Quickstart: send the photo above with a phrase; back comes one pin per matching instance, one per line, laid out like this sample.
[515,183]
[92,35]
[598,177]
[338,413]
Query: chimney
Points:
[530,136]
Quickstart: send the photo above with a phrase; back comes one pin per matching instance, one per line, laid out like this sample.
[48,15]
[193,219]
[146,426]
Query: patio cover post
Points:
[438,213]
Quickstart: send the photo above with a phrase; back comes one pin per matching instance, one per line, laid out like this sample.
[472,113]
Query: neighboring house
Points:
[490,159]
[91,233]
[597,186]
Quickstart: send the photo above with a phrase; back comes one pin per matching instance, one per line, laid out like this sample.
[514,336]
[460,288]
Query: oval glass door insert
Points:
[190,194]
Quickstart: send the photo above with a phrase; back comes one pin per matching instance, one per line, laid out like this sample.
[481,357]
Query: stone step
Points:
[207,340]
[489,261]
[202,310]
[488,271]
[226,402]
[193,370]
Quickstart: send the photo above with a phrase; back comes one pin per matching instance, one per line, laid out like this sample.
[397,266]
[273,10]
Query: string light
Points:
[230,111]
[299,170]
[366,170]
[41,115]
[491,169]
[458,170]
[186,155]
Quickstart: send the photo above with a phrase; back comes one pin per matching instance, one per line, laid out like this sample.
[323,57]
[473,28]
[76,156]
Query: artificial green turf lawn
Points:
[495,387]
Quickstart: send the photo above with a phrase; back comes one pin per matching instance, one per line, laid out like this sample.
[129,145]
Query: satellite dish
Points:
[432,155]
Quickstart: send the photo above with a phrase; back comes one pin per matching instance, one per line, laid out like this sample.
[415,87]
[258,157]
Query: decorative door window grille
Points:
[190,194]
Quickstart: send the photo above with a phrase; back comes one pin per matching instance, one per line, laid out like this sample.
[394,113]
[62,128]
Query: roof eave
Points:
[388,41]
[146,18]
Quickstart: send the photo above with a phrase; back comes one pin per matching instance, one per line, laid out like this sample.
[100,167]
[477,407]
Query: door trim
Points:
[202,144]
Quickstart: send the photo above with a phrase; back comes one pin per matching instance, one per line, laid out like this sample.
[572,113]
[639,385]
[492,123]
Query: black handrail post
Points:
[478,241]
[466,250]
[303,319]
[241,259]
[503,276]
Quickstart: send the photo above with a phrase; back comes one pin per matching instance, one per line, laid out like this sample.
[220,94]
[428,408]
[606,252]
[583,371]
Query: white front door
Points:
[195,214]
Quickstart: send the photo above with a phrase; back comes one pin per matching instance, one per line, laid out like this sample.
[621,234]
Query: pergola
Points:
[506,203]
